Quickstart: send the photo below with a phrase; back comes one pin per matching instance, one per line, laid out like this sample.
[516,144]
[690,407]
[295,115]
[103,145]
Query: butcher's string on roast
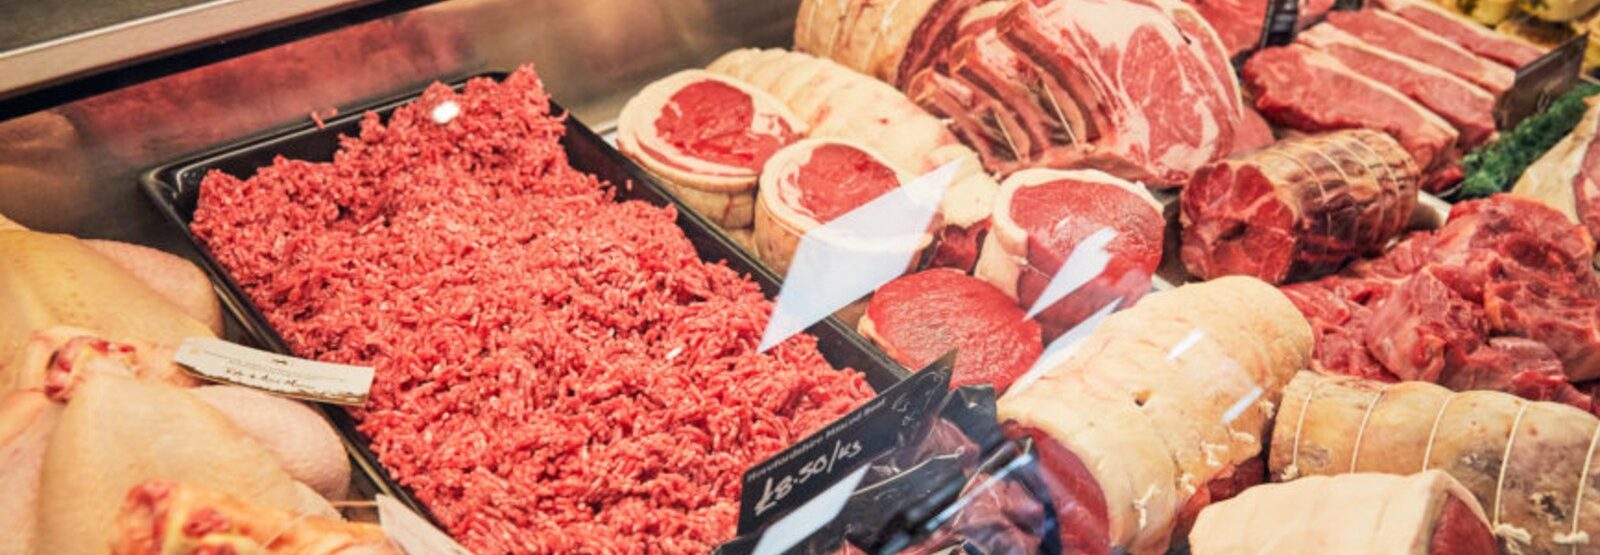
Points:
[1427,454]
[1355,452]
[1510,533]
[1574,538]
[1293,470]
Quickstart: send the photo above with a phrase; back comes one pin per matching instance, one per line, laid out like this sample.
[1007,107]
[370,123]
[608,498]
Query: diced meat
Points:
[1465,32]
[1502,297]
[918,318]
[1301,88]
[1299,208]
[1395,34]
[1421,327]
[1466,106]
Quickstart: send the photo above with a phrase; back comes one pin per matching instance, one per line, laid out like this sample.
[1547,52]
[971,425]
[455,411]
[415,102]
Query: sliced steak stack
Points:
[1299,208]
[1302,88]
[1395,34]
[1469,108]
[1465,32]
[1506,279]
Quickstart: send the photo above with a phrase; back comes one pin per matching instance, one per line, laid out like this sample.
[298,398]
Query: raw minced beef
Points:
[557,371]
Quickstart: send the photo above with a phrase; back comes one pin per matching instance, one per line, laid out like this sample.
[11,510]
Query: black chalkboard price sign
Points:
[1278,28]
[1540,82]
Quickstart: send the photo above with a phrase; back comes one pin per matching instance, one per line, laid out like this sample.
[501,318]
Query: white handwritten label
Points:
[810,517]
[411,532]
[775,491]
[221,361]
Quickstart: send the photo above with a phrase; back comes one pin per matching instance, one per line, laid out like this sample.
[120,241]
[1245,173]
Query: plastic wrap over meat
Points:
[1299,208]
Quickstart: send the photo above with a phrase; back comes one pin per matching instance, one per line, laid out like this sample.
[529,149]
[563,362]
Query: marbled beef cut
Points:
[919,317]
[1393,33]
[1301,88]
[1466,106]
[1238,22]
[1299,208]
[1465,32]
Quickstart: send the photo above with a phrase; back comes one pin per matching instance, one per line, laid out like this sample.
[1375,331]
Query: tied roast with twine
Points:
[1529,463]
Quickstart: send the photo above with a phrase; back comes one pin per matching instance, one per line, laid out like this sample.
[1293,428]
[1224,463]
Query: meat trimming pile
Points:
[557,371]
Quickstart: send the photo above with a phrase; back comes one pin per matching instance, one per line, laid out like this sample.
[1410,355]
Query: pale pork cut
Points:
[707,136]
[1299,208]
[1395,34]
[1530,464]
[918,318]
[1465,32]
[1043,216]
[1301,88]
[1428,513]
[1469,108]
[1157,406]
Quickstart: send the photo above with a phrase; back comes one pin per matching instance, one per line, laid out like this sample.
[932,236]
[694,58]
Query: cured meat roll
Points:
[918,318]
[1042,216]
[1161,410]
[1299,208]
[842,104]
[887,40]
[808,184]
[1428,513]
[1529,463]
[708,137]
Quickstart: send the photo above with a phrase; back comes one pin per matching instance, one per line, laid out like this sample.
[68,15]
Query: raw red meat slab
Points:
[1301,88]
[557,372]
[1464,32]
[1395,34]
[920,317]
[1467,107]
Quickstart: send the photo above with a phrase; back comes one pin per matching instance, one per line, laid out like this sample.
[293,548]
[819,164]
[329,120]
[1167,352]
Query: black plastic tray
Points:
[175,189]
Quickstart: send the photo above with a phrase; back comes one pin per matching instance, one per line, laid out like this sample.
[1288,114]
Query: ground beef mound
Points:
[557,371]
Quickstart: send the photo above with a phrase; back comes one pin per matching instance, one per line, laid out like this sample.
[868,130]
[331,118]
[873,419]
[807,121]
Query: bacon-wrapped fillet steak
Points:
[1299,208]
[842,104]
[887,40]
[708,137]
[1042,216]
[1428,513]
[918,318]
[1529,463]
[809,184]
[1161,410]
[176,518]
